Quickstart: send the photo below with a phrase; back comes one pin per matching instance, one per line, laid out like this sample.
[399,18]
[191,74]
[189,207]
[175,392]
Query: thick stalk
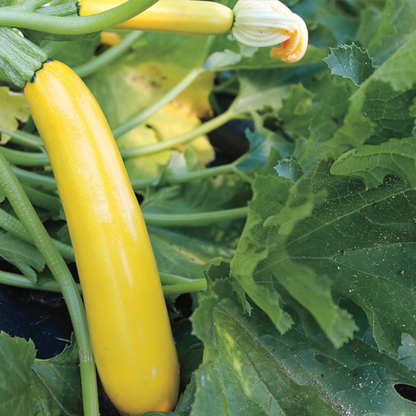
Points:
[26,213]
[179,289]
[15,17]
[42,200]
[35,179]
[23,138]
[32,5]
[24,158]
[198,219]
[108,56]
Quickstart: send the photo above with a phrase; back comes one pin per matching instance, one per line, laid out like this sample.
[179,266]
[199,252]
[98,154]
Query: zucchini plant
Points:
[222,192]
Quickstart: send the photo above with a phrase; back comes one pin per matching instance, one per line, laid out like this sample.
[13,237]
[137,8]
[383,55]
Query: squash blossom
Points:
[261,23]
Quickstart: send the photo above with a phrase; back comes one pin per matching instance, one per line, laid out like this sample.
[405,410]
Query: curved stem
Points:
[24,158]
[178,140]
[243,175]
[42,200]
[26,213]
[32,5]
[108,56]
[23,138]
[17,280]
[166,99]
[15,17]
[202,218]
[35,179]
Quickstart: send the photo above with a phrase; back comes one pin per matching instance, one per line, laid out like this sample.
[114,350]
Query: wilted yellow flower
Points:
[269,22]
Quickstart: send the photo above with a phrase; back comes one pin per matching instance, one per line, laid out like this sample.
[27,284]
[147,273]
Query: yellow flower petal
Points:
[261,23]
[293,49]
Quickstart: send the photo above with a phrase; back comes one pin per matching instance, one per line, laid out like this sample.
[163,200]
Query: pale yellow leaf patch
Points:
[169,122]
[13,107]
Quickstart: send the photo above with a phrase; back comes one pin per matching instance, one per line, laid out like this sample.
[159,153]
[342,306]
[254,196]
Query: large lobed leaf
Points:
[250,368]
[32,387]
[325,237]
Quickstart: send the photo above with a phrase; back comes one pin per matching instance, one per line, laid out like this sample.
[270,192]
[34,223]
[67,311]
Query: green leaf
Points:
[364,242]
[23,255]
[255,370]
[351,63]
[382,108]
[79,52]
[16,357]
[157,63]
[331,104]
[263,267]
[290,169]
[266,148]
[374,163]
[56,385]
[335,16]
[297,110]
[260,89]
[396,27]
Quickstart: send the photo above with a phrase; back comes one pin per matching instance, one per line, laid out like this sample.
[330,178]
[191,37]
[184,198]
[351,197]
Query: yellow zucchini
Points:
[190,17]
[127,317]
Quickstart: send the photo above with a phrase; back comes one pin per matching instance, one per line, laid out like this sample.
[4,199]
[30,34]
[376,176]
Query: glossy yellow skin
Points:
[127,317]
[110,38]
[188,17]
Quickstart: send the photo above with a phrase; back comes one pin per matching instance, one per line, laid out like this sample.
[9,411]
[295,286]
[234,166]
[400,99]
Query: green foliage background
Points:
[310,306]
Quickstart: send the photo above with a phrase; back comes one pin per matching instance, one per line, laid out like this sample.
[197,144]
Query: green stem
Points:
[108,56]
[24,158]
[175,178]
[243,175]
[11,224]
[42,200]
[26,213]
[17,280]
[173,279]
[154,108]
[201,218]
[15,17]
[178,140]
[225,85]
[32,5]
[35,179]
[23,138]
[179,289]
